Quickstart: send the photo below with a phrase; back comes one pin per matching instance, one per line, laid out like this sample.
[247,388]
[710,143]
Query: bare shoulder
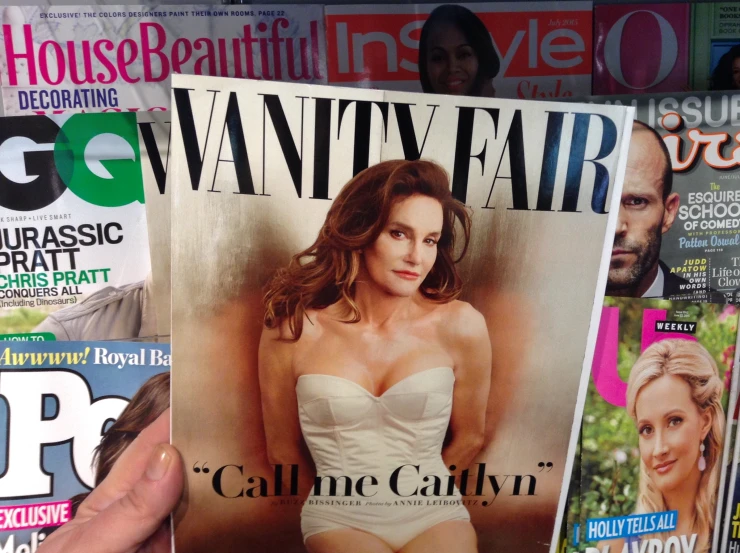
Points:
[278,345]
[275,335]
[464,333]
[283,334]
[463,323]
[276,349]
[279,351]
[314,324]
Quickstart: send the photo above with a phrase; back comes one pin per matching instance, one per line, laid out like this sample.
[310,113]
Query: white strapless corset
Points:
[350,431]
[395,438]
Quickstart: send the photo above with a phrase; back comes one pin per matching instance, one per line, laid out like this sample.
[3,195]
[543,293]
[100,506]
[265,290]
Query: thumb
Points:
[128,522]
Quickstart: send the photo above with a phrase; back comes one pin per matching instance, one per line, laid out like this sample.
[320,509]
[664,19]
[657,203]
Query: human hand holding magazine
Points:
[130,509]
[69,410]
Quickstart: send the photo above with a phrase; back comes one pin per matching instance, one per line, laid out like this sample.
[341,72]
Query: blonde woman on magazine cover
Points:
[367,361]
[674,395]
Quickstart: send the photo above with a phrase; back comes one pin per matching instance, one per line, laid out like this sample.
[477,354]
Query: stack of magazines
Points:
[416,313]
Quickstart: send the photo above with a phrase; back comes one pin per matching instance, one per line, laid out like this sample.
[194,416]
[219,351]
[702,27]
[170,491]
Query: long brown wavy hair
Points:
[150,401]
[325,273]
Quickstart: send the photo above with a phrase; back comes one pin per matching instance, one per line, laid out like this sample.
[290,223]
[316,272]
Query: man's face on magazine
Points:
[642,214]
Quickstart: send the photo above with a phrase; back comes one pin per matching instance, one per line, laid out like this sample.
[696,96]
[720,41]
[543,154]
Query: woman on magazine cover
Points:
[147,404]
[674,395]
[456,54]
[726,75]
[368,359]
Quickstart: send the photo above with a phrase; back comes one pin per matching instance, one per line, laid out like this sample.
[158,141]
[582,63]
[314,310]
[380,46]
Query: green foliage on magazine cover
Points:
[21,320]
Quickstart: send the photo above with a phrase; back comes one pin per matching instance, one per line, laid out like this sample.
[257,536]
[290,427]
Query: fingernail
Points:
[158,463]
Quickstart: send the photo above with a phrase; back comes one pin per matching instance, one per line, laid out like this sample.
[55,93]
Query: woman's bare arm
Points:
[471,349]
[285,444]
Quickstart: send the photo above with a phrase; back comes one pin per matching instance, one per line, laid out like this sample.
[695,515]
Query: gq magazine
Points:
[74,258]
[67,410]
[65,59]
[346,366]
[678,234]
[654,443]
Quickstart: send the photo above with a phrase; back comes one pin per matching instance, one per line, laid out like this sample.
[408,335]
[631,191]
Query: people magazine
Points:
[68,410]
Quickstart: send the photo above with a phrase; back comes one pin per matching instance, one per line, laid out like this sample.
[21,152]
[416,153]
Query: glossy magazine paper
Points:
[154,143]
[257,169]
[680,210]
[715,45]
[654,445]
[729,536]
[59,399]
[538,51]
[665,47]
[74,257]
[624,34]
[56,59]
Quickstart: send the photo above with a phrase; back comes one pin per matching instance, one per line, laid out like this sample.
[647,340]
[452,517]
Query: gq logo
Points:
[95,155]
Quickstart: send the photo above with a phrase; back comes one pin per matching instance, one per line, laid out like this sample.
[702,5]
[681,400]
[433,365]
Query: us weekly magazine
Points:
[369,388]
[74,256]
[679,225]
[654,445]
[68,409]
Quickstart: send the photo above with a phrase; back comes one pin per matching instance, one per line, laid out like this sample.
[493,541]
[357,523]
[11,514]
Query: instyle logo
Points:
[385,47]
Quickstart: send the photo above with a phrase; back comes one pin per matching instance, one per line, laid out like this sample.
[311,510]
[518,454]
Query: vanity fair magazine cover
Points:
[383,305]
